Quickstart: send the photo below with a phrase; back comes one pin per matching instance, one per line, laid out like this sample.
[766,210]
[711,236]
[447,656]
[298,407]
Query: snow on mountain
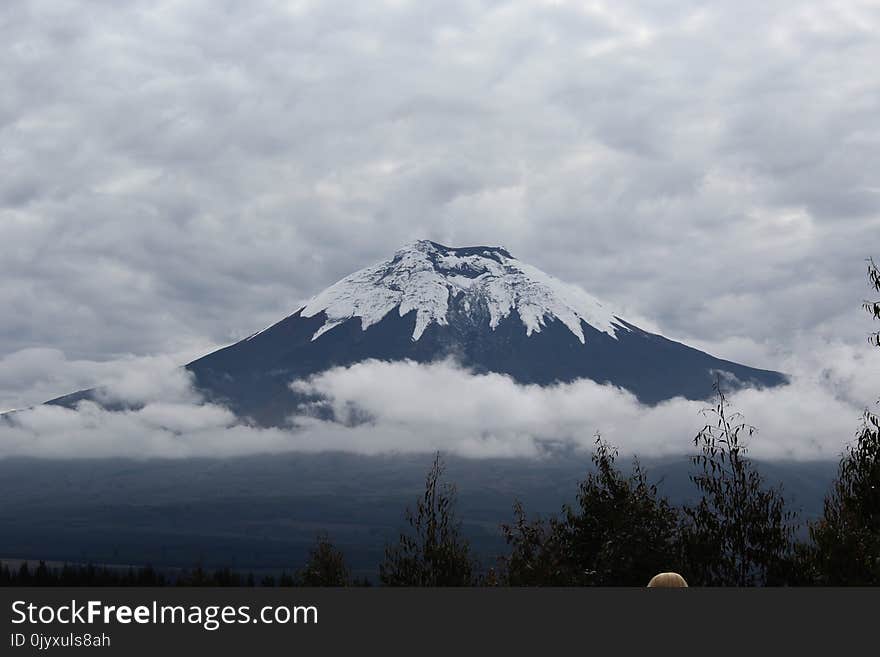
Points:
[477,305]
[426,276]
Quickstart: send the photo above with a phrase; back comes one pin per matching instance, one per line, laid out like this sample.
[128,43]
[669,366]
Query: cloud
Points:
[32,376]
[442,406]
[182,174]
[405,407]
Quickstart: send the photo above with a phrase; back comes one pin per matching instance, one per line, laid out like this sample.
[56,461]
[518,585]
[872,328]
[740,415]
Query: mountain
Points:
[477,304]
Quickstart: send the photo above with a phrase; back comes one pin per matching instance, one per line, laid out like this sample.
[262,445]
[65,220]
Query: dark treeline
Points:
[619,532]
[325,567]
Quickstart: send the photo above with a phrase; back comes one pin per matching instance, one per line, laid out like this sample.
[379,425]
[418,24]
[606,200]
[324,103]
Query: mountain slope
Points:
[477,304]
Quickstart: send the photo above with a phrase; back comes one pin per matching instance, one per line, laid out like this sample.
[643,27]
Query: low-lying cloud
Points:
[443,405]
[33,375]
[405,407]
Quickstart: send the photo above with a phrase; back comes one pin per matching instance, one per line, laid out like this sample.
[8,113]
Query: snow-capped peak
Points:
[426,276]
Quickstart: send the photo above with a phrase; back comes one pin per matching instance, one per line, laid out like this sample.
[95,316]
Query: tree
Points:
[540,554]
[846,540]
[621,527]
[433,552]
[873,307]
[621,532]
[739,533]
[326,566]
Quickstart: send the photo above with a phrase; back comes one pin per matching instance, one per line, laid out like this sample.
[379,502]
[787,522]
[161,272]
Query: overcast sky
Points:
[177,175]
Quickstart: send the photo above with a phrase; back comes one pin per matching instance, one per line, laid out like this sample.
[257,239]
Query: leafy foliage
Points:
[539,553]
[873,307]
[434,552]
[846,539]
[739,533]
[621,532]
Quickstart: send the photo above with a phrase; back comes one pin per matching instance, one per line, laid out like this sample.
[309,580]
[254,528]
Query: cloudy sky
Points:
[177,175]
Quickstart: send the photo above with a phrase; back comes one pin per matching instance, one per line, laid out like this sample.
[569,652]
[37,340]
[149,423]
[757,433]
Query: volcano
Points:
[478,305]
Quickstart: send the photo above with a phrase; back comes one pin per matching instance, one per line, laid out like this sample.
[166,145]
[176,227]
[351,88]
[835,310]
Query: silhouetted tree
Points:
[24,575]
[847,536]
[539,555]
[622,529]
[433,552]
[621,532]
[846,539]
[873,307]
[325,567]
[739,533]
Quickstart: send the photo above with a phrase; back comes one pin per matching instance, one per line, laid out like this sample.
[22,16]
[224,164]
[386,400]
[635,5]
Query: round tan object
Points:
[667,580]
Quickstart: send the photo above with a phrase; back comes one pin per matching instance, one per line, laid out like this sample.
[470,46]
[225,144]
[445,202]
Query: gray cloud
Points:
[178,175]
[405,407]
[443,406]
[43,373]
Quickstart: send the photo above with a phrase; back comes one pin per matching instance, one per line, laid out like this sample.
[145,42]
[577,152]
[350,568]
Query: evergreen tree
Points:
[24,575]
[6,578]
[433,552]
[326,566]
